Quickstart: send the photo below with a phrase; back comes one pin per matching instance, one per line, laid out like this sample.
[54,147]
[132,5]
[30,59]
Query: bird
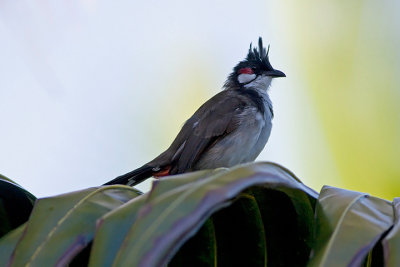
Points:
[230,128]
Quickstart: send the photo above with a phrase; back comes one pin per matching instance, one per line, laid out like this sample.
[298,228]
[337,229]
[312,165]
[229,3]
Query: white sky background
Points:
[85,85]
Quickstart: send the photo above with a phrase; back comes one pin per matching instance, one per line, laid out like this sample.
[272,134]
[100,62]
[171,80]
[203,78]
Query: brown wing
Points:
[215,118]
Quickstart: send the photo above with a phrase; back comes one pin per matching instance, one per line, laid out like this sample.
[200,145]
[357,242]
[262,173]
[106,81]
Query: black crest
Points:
[259,55]
[257,59]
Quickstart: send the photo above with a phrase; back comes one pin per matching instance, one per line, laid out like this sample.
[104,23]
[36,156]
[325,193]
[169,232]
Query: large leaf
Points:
[348,226]
[16,205]
[199,250]
[60,227]
[288,217]
[2,177]
[109,238]
[177,207]
[240,233]
[9,242]
[257,214]
[282,236]
[111,231]
[391,242]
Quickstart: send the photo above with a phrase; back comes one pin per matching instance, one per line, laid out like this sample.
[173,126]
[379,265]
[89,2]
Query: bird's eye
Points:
[246,71]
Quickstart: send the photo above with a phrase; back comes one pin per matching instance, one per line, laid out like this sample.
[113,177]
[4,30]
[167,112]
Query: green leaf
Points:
[16,205]
[273,217]
[4,178]
[391,242]
[240,234]
[288,216]
[111,231]
[171,217]
[9,242]
[348,225]
[110,238]
[199,250]
[179,182]
[60,227]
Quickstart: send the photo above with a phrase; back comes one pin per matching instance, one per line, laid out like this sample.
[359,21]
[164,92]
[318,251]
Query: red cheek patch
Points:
[246,71]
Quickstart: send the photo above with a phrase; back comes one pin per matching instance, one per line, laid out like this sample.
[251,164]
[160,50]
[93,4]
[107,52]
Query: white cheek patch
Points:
[261,82]
[245,78]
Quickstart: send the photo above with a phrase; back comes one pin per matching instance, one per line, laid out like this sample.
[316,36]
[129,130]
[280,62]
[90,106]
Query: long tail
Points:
[134,177]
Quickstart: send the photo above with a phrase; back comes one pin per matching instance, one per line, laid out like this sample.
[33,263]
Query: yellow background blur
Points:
[92,89]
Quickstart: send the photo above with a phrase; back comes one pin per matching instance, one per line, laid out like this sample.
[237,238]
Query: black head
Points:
[256,64]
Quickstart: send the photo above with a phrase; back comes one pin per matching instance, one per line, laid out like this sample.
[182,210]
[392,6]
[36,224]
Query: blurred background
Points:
[92,89]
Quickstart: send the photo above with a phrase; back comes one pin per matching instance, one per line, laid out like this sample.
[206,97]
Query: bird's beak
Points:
[275,73]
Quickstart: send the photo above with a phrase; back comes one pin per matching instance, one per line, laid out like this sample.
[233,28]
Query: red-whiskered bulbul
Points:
[230,128]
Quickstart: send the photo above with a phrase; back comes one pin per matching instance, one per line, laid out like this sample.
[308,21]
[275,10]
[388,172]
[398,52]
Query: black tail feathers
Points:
[134,177]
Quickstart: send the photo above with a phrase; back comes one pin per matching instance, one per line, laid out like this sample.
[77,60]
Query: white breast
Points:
[242,145]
